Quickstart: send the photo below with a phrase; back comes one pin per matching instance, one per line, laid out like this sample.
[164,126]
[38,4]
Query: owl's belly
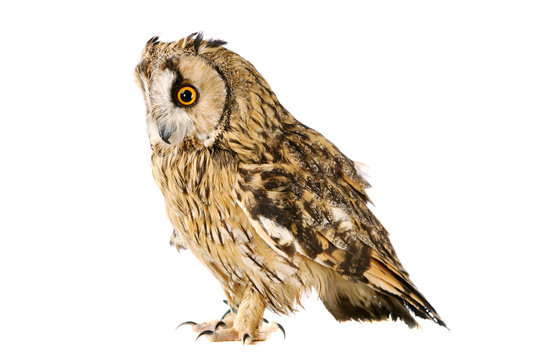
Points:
[225,242]
[201,204]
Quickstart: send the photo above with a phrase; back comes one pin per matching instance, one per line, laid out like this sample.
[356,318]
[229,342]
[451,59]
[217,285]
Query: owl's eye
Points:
[187,95]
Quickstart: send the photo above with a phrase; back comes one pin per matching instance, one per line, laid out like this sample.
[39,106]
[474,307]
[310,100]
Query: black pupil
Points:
[186,96]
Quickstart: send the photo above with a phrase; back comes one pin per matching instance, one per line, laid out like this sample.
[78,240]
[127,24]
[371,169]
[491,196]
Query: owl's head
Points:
[186,94]
[192,86]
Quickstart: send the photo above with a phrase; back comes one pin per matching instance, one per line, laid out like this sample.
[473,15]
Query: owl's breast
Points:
[198,187]
[201,204]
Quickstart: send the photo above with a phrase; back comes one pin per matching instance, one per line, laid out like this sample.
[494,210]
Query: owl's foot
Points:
[223,330]
[244,322]
[223,333]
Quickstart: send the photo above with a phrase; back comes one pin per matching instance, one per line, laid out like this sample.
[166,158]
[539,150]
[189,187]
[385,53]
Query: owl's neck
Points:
[203,172]
[255,139]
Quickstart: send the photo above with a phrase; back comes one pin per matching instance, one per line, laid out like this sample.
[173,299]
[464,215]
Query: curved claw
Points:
[205,332]
[264,320]
[282,329]
[226,313]
[244,338]
[220,323]
[234,310]
[186,323]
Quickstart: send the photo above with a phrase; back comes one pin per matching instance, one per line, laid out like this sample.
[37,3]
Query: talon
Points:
[246,336]
[266,321]
[226,313]
[205,332]
[282,329]
[186,323]
[220,323]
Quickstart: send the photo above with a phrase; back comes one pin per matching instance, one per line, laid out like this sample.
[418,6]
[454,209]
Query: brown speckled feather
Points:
[268,205]
[318,196]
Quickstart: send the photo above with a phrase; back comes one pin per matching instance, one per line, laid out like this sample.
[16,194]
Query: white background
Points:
[441,99]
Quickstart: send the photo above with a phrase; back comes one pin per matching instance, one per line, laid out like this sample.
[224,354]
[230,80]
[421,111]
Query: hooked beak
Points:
[165,132]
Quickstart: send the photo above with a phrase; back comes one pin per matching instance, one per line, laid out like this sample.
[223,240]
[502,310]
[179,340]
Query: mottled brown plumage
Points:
[268,205]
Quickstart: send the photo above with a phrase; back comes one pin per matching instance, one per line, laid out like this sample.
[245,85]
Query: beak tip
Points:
[165,133]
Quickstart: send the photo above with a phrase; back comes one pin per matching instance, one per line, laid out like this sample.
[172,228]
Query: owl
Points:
[269,206]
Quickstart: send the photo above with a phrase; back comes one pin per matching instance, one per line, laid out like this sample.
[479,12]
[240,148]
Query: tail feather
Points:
[385,293]
[383,307]
[389,279]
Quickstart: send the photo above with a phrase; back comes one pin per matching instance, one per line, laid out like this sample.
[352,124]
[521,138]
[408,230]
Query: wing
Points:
[313,201]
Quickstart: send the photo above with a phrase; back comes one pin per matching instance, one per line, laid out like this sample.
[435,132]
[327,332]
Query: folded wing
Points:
[313,201]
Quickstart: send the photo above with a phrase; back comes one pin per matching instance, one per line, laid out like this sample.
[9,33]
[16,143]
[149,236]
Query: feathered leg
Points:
[250,316]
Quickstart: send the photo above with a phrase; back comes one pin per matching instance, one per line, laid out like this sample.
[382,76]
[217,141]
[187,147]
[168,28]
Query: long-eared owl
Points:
[268,205]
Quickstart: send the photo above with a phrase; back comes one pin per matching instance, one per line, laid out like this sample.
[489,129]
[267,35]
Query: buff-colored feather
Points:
[268,205]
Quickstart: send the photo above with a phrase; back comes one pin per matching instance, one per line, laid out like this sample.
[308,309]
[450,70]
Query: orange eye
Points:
[187,95]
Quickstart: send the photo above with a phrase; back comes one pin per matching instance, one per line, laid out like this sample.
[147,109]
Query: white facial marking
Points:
[165,113]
